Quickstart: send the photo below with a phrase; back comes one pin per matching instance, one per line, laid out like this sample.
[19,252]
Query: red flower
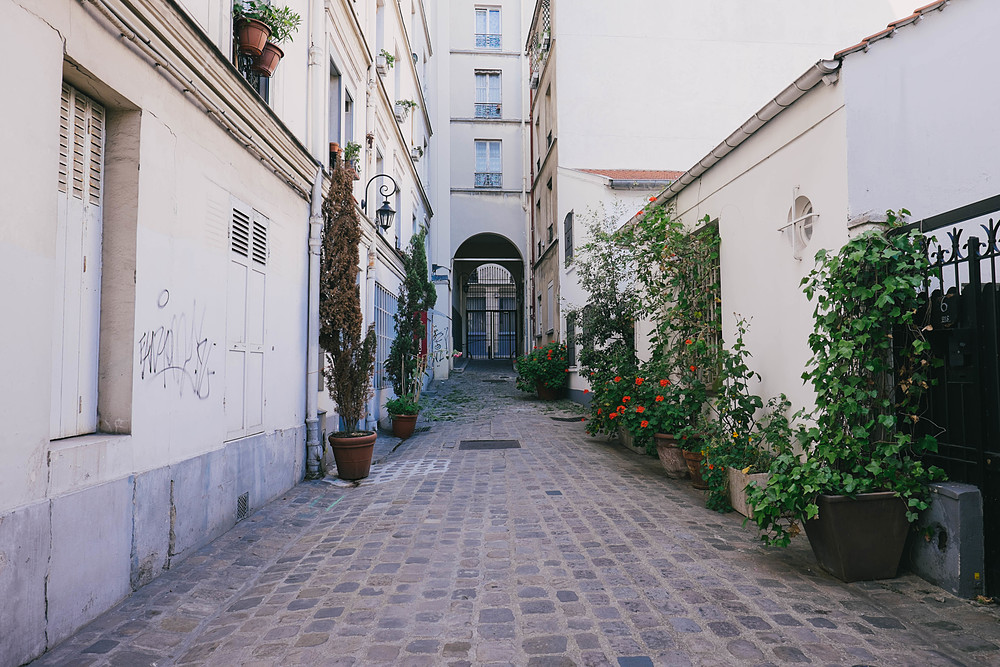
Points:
[621,409]
[586,391]
[612,415]
[638,381]
[644,423]
[618,378]
[711,467]
[640,409]
[641,212]
[694,368]
[583,419]
[659,398]
[688,341]
[626,399]
[598,411]
[652,199]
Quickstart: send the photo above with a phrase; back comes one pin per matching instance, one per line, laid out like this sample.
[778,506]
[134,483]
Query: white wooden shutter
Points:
[76,325]
[244,393]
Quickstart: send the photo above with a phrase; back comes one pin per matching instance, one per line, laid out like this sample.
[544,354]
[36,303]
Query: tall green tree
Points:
[416,295]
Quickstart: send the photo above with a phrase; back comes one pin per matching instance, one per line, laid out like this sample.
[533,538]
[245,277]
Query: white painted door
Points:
[77,291]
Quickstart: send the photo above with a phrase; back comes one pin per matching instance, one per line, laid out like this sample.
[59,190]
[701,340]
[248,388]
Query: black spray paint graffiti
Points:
[177,352]
[440,348]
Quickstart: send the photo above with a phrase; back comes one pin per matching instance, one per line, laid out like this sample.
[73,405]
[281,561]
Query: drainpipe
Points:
[314,448]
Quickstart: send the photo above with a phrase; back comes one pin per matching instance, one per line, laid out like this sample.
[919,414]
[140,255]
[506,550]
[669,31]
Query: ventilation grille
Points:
[240,235]
[243,507]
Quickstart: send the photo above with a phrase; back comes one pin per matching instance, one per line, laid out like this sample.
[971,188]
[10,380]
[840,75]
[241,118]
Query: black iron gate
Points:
[963,311]
[491,314]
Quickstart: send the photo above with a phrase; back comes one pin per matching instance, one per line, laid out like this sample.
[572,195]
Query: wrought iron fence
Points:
[386,304]
[488,110]
[487,41]
[489,179]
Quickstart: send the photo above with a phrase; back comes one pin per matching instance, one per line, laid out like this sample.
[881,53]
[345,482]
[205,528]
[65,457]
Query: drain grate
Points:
[500,381]
[490,444]
[243,507]
[567,419]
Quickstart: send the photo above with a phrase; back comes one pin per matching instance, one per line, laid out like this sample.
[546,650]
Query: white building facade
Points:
[158,237]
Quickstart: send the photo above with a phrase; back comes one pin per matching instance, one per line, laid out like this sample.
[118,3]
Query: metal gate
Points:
[963,310]
[491,314]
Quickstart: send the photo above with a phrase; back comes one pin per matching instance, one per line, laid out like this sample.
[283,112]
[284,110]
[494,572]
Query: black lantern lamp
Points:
[384,213]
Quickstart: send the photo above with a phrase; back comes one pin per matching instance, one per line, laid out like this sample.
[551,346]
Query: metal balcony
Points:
[488,110]
[489,179]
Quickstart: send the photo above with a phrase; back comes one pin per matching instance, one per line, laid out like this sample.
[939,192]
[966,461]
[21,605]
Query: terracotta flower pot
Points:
[547,393]
[267,61]
[252,35]
[670,455]
[353,453]
[694,461]
[738,482]
[403,425]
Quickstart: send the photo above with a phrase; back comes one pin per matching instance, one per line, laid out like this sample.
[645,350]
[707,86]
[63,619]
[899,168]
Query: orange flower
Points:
[626,399]
[694,368]
[688,341]
[652,199]
[644,423]
[621,409]
[664,383]
[641,212]
[638,381]
[618,378]
[659,398]
[586,391]
[598,411]
[612,415]
[711,467]
[640,409]
[583,419]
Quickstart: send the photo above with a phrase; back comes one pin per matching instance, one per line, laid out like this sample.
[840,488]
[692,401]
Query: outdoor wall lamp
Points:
[436,267]
[384,213]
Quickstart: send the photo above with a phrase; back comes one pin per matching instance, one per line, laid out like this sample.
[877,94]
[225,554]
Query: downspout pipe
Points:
[314,448]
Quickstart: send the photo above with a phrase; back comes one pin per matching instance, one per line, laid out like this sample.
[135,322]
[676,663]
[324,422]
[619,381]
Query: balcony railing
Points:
[487,110]
[489,179]
[487,41]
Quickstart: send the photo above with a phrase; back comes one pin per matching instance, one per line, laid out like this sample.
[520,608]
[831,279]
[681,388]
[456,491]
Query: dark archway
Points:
[489,289]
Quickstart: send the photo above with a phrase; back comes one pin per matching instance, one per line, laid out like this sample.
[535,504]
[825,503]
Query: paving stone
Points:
[549,644]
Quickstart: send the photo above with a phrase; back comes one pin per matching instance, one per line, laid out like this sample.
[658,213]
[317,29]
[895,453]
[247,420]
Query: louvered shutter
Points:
[76,325]
[244,393]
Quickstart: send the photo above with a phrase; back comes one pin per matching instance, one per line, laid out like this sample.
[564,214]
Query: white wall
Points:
[750,192]
[659,85]
[920,117]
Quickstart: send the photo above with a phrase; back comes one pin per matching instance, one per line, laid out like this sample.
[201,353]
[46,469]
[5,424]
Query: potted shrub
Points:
[859,480]
[406,365]
[543,371]
[280,22]
[352,152]
[384,62]
[403,411]
[350,353]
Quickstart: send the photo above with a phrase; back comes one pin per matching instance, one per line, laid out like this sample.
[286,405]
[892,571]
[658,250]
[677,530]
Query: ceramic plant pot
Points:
[252,35]
[352,453]
[403,425]
[694,461]
[670,455]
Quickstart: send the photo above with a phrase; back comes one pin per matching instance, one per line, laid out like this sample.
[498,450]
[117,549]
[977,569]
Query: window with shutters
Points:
[79,230]
[245,331]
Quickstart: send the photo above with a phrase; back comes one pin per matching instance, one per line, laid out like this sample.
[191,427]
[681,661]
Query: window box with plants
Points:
[403,108]
[859,481]
[384,62]
[260,28]
[350,351]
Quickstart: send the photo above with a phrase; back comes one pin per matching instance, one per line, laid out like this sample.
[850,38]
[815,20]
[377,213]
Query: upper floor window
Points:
[487,28]
[489,170]
[488,95]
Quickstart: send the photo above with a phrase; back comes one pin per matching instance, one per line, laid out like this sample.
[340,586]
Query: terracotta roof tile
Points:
[636,174]
[891,28]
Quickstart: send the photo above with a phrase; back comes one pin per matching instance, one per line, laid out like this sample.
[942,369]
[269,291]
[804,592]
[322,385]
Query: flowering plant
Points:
[544,366]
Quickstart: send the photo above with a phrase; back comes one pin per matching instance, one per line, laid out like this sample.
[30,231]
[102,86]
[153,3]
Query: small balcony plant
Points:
[280,23]
[404,107]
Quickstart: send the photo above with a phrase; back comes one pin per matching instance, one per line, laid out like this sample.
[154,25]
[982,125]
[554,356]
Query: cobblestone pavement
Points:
[568,551]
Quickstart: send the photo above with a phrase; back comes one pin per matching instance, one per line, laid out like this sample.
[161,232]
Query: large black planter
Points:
[859,539]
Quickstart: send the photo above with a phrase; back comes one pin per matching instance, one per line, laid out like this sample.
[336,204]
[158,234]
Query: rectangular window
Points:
[489,170]
[488,104]
[244,393]
[571,339]
[550,308]
[568,236]
[487,28]
[79,232]
[386,304]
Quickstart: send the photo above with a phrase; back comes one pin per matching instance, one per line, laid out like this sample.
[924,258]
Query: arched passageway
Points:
[488,305]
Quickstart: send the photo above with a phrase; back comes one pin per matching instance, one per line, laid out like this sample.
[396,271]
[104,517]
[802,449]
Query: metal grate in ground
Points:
[489,444]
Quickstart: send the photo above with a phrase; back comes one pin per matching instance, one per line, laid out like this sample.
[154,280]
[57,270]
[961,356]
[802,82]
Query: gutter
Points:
[314,448]
[825,71]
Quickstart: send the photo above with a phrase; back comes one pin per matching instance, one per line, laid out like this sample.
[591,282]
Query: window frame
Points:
[492,41]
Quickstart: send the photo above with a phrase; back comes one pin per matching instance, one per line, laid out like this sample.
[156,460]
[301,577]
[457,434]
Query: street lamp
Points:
[384,213]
